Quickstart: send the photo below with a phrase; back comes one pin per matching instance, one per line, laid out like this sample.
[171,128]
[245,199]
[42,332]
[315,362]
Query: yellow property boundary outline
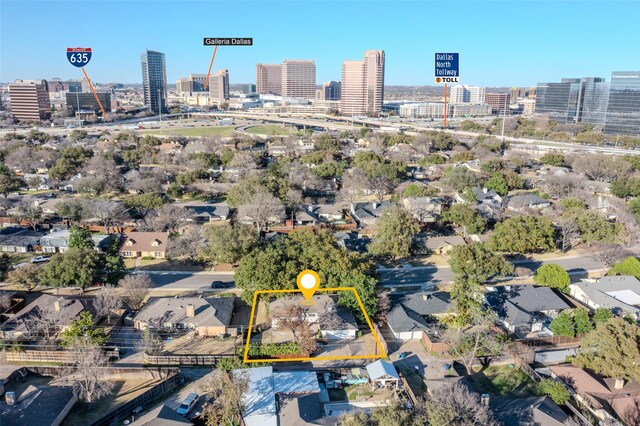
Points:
[319,358]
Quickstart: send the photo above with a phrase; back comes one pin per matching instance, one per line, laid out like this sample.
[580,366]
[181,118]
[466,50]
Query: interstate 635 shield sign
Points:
[79,56]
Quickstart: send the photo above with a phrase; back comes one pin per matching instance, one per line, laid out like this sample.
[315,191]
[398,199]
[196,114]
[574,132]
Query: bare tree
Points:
[563,186]
[190,243]
[147,181]
[569,234]
[262,209]
[607,254]
[354,184]
[245,163]
[29,210]
[88,374]
[292,318]
[109,213]
[169,218]
[5,301]
[601,167]
[25,277]
[46,321]
[106,302]
[456,405]
[135,289]
[225,391]
[384,304]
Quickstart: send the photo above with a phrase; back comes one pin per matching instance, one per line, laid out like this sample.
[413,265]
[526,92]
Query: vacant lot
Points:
[224,131]
[502,380]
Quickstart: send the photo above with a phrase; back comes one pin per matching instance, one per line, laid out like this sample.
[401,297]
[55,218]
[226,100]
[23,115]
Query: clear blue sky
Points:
[501,43]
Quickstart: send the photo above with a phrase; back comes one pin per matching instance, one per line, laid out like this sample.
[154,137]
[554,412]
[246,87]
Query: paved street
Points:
[185,281]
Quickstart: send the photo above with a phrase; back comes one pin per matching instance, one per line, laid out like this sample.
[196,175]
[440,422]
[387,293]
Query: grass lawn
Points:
[17,258]
[503,380]
[271,129]
[416,383]
[223,131]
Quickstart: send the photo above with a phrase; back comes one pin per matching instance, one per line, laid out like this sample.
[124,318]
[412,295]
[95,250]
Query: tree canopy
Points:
[629,266]
[524,234]
[465,216]
[394,234]
[553,275]
[476,262]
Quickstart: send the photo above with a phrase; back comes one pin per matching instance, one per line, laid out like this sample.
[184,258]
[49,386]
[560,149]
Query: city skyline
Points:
[518,53]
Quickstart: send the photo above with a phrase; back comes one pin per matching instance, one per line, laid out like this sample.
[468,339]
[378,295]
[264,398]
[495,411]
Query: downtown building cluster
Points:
[612,106]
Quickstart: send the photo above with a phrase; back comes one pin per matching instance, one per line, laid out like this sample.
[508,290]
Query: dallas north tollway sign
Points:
[447,68]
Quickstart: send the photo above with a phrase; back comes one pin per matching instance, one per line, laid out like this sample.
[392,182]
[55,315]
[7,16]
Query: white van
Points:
[188,404]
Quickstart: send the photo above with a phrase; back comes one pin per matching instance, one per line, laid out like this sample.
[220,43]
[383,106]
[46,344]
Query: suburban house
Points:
[412,316]
[367,214]
[58,241]
[406,324]
[207,213]
[210,317]
[322,213]
[431,306]
[528,411]
[442,245]
[488,202]
[522,202]
[383,374]
[619,293]
[38,405]
[424,209]
[524,309]
[334,322]
[19,240]
[606,398]
[59,309]
[277,398]
[352,241]
[144,244]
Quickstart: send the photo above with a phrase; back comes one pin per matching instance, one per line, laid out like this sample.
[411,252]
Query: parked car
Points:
[188,404]
[221,284]
[39,259]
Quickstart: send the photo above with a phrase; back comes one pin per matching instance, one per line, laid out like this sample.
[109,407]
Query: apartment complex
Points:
[154,80]
[436,110]
[363,85]
[87,102]
[330,91]
[219,87]
[299,79]
[190,84]
[30,100]
[460,94]
[499,102]
[614,106]
[269,79]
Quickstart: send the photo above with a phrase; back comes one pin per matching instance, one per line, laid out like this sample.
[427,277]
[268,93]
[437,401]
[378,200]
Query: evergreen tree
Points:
[582,321]
[563,325]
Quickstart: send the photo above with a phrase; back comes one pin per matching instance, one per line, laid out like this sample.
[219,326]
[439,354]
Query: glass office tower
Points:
[623,112]
[594,97]
[559,100]
[154,81]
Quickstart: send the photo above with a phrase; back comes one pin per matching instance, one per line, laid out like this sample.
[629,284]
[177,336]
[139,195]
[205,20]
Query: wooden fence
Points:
[184,359]
[61,357]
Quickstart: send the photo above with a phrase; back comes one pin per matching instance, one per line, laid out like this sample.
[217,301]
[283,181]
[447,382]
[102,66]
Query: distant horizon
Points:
[501,43]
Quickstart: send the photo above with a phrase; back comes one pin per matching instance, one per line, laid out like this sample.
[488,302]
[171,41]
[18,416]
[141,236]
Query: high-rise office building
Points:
[269,79]
[363,85]
[87,102]
[460,94]
[154,80]
[499,102]
[248,88]
[193,83]
[219,87]
[559,100]
[330,91]
[30,100]
[623,107]
[298,78]
[592,101]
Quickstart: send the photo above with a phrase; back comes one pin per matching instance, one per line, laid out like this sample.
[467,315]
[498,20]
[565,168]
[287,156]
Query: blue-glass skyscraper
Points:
[154,80]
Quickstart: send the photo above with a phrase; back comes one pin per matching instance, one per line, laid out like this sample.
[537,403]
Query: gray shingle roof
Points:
[402,319]
[614,285]
[38,406]
[518,304]
[427,303]
[214,311]
[526,200]
[530,411]
[162,415]
[369,211]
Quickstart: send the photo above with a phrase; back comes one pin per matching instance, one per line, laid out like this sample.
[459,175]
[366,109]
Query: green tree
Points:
[443,141]
[553,159]
[553,389]
[524,234]
[77,267]
[582,321]
[594,227]
[278,265]
[72,209]
[477,263]
[229,244]
[415,190]
[553,275]
[563,325]
[394,234]
[634,206]
[612,349]
[244,191]
[80,237]
[498,183]
[70,162]
[461,178]
[9,182]
[465,216]
[143,204]
[83,331]
[601,315]
[629,266]
[5,265]
[628,186]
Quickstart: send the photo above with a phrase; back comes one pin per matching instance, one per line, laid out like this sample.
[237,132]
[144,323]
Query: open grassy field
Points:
[223,131]
[270,129]
[503,380]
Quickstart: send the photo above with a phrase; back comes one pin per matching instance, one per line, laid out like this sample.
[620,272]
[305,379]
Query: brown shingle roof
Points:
[144,241]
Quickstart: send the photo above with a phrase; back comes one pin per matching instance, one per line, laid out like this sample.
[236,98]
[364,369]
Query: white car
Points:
[39,259]
[188,404]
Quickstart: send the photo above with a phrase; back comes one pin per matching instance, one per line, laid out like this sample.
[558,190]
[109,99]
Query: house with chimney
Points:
[209,317]
[367,214]
[144,244]
[487,201]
